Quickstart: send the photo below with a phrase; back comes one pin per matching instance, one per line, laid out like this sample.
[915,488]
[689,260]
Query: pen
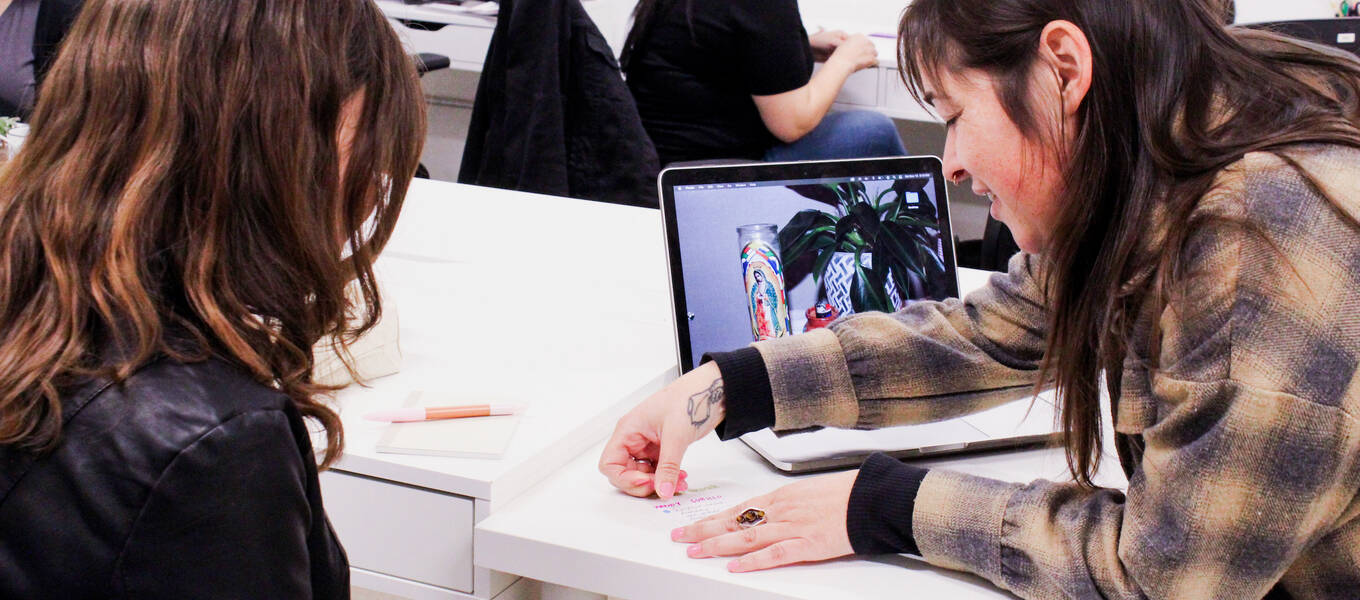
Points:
[407,415]
[886,36]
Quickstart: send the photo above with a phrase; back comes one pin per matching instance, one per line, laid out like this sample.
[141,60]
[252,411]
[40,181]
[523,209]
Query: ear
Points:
[1067,52]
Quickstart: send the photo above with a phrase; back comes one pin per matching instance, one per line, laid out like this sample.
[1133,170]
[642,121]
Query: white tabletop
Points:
[575,530]
[559,304]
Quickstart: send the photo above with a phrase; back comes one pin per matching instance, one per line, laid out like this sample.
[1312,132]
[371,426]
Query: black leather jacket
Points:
[186,481]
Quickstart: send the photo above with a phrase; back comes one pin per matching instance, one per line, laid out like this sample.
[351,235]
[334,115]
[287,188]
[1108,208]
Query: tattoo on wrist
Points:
[701,404]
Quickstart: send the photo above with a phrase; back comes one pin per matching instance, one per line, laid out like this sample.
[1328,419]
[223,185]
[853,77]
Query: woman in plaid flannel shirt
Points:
[1188,201]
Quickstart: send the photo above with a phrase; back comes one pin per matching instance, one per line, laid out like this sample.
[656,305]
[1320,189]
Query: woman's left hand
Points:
[804,521]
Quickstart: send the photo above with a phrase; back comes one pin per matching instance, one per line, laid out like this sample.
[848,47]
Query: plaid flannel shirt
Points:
[1246,468]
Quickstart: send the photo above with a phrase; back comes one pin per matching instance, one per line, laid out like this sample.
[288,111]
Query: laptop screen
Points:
[768,250]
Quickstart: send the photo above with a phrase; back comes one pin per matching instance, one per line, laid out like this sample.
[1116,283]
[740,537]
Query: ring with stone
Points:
[750,517]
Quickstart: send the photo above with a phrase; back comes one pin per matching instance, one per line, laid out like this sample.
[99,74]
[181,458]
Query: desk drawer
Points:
[402,531]
[464,44]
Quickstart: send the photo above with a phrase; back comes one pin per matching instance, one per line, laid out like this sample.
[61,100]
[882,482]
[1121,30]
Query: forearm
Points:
[744,389]
[876,369]
[823,88]
[706,406]
[792,115]
[1219,489]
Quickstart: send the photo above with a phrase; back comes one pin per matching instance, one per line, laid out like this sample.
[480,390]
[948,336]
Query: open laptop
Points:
[716,299]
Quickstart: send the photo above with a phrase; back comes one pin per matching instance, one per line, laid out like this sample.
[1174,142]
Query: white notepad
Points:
[475,437]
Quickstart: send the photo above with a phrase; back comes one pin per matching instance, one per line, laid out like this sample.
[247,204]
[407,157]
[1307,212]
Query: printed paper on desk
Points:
[701,501]
[475,437]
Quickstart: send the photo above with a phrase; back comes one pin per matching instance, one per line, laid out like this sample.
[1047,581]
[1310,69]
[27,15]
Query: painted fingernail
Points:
[684,485]
[694,551]
[677,533]
[665,489]
[734,565]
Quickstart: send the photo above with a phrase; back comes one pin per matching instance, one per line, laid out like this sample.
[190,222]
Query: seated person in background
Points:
[733,79]
[177,234]
[30,31]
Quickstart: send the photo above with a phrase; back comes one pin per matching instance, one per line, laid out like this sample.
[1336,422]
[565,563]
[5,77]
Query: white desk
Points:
[574,530]
[880,88]
[465,39]
[564,303]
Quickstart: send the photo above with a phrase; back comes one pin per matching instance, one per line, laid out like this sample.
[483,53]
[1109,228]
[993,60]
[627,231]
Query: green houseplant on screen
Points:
[887,238]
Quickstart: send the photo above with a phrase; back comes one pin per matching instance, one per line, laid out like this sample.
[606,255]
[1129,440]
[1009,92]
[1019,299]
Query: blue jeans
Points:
[845,134]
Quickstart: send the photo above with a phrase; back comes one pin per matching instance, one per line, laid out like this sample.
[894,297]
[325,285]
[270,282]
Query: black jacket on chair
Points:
[553,114]
[185,481]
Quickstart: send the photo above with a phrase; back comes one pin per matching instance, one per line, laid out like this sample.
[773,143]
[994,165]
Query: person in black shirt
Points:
[30,31]
[734,79]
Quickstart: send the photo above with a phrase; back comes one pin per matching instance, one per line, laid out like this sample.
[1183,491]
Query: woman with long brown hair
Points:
[202,182]
[1186,198]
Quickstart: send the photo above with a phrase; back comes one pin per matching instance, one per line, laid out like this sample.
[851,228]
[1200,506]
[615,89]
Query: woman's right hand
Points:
[857,52]
[643,455]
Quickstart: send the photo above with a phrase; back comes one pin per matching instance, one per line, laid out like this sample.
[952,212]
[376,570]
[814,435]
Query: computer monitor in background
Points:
[1337,33]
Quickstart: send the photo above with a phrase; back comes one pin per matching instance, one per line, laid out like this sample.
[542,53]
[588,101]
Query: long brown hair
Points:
[1175,98]
[180,193]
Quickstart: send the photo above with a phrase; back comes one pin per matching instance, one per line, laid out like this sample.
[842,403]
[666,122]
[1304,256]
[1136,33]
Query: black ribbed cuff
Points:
[746,386]
[878,518]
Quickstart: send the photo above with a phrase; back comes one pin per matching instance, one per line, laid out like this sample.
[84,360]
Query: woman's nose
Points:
[953,170]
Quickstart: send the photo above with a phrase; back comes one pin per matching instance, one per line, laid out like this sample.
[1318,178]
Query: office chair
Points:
[426,62]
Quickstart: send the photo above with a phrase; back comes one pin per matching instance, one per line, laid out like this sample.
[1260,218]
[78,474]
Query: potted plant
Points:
[885,241]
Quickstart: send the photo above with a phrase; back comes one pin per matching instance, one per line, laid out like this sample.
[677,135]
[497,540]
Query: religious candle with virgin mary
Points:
[763,274]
